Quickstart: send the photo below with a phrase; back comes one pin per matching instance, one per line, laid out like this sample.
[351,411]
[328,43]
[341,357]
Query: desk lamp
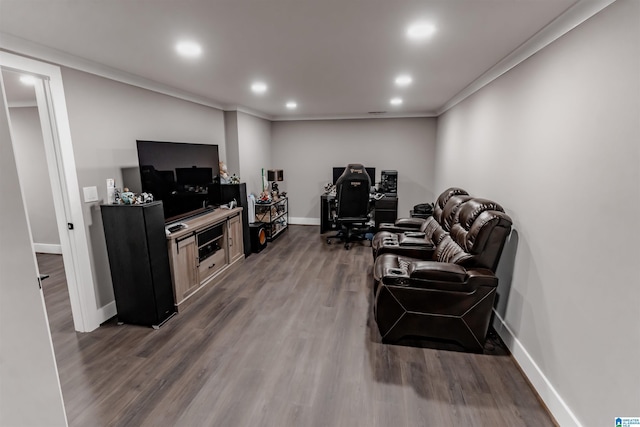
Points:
[275,175]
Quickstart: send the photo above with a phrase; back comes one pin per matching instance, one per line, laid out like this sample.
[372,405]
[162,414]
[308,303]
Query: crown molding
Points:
[28,48]
[354,116]
[245,110]
[571,18]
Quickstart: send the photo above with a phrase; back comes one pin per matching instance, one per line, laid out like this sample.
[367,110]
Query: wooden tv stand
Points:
[204,252]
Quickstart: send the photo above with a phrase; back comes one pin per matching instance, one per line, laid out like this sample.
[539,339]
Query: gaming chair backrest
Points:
[352,190]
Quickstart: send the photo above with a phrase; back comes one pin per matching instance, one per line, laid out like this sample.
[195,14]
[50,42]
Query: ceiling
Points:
[335,58]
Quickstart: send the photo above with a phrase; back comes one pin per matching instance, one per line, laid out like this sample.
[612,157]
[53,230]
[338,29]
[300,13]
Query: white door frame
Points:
[56,133]
[31,393]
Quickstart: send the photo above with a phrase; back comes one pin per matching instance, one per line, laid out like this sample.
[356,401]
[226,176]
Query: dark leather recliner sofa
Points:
[451,295]
[414,224]
[420,243]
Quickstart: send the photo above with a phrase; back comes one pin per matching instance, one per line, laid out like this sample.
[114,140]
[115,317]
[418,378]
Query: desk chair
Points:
[352,211]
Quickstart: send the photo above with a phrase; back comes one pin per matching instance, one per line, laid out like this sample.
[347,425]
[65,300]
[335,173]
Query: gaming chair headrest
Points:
[355,173]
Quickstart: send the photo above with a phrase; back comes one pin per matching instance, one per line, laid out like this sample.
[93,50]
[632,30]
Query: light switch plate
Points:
[90,194]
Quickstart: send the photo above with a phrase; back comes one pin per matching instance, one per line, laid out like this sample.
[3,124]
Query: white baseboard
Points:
[549,395]
[304,221]
[47,248]
[106,312]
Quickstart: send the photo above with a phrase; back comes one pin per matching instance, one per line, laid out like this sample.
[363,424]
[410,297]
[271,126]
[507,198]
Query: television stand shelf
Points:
[204,253]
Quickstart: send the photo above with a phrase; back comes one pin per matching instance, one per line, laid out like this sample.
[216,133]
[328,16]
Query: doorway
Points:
[56,135]
[31,164]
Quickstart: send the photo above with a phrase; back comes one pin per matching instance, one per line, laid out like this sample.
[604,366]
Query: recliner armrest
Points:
[415,233]
[392,228]
[416,252]
[441,271]
[439,276]
[408,240]
[402,225]
[409,222]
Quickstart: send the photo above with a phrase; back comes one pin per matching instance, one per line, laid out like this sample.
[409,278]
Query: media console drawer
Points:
[211,265]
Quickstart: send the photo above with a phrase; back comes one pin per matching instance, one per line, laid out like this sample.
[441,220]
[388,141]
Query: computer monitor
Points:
[337,171]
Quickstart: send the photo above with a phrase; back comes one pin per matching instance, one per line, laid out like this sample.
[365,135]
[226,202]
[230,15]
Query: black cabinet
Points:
[327,204]
[383,210]
[239,193]
[139,262]
[386,210]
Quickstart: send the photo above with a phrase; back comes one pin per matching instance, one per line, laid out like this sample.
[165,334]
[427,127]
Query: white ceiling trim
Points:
[354,116]
[23,47]
[560,26]
[241,109]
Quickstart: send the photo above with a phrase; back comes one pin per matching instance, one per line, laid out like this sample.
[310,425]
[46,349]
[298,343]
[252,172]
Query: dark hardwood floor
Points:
[287,340]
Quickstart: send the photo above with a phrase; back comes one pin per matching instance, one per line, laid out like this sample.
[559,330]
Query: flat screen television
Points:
[370,171]
[185,176]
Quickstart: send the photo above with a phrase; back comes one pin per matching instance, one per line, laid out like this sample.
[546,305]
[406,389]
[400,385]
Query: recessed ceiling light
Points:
[28,80]
[259,87]
[396,101]
[404,80]
[189,49]
[420,31]
[292,105]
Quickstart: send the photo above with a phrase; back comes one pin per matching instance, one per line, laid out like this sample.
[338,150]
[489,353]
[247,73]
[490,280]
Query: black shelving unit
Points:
[274,215]
[139,262]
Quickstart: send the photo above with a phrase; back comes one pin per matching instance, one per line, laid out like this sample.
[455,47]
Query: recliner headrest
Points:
[448,193]
[451,209]
[476,220]
[473,208]
[483,228]
[442,200]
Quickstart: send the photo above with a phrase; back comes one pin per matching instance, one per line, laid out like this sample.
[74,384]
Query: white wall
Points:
[30,392]
[232,159]
[556,141]
[106,119]
[34,176]
[307,151]
[254,150]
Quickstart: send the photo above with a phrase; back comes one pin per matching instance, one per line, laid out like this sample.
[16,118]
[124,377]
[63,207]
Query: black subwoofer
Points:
[258,233]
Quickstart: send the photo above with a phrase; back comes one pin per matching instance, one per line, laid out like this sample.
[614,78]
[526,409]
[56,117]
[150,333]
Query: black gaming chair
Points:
[352,212]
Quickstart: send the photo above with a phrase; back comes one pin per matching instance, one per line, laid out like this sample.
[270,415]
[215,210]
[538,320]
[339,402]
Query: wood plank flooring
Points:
[287,340]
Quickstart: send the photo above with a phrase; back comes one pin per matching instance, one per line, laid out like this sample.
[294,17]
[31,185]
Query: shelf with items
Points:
[275,215]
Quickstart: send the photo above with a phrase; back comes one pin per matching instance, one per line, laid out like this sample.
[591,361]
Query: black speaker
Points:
[258,233]
[139,263]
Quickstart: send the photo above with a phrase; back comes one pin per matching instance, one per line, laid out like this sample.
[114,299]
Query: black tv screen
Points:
[185,176]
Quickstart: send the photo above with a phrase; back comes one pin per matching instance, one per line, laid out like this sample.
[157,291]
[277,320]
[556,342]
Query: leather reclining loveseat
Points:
[450,295]
[413,224]
[417,237]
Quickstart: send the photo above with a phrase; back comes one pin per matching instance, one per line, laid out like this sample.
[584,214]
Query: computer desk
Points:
[382,210]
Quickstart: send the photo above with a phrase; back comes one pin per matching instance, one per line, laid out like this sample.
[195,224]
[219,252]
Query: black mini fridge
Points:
[139,263]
